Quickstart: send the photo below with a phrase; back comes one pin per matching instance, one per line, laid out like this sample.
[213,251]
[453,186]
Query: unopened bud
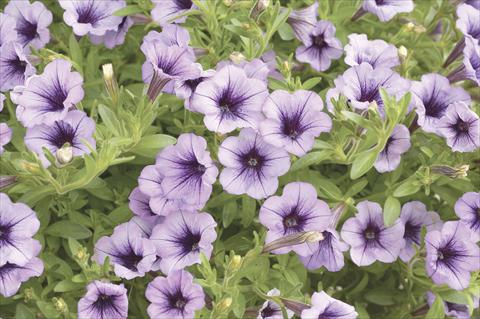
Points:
[373,106]
[286,65]
[452,172]
[296,306]
[400,287]
[409,26]
[402,52]
[30,167]
[228,3]
[82,255]
[28,294]
[60,305]
[235,263]
[419,29]
[7,181]
[260,6]
[224,304]
[110,82]
[293,239]
[64,155]
[237,57]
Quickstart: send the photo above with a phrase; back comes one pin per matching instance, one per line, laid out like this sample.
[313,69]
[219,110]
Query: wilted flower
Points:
[414,216]
[271,310]
[188,169]
[361,85]
[112,38]
[449,171]
[302,21]
[7,24]
[73,129]
[13,275]
[320,47]
[467,208]
[397,144]
[182,237]
[48,97]
[294,120]
[470,68]
[166,11]
[324,306]
[377,53]
[454,310]
[175,296]
[384,9]
[460,126]
[297,210]
[252,166]
[32,21]
[5,136]
[103,300]
[131,254]
[451,255]
[431,97]
[369,238]
[94,17]
[14,66]
[230,100]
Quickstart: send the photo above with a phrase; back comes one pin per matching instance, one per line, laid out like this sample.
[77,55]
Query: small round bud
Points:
[107,71]
[235,263]
[237,57]
[60,305]
[409,26]
[64,154]
[224,304]
[402,52]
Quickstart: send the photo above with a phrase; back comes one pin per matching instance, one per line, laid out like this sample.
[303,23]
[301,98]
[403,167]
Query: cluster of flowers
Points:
[18,250]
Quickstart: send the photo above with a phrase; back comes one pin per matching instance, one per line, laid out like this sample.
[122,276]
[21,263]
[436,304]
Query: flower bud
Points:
[227,3]
[224,304]
[452,172]
[409,26]
[64,155]
[259,7]
[293,239]
[60,305]
[7,181]
[237,57]
[402,52]
[28,294]
[296,306]
[235,263]
[30,167]
[110,82]
[419,29]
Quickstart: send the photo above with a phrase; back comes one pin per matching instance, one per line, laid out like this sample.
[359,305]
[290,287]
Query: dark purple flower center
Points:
[319,41]
[60,134]
[462,126]
[189,242]
[54,97]
[17,66]
[371,232]
[434,107]
[130,259]
[412,232]
[193,83]
[26,30]
[177,300]
[7,268]
[450,254]
[89,13]
[292,125]
[267,311]
[105,303]
[294,221]
[370,93]
[379,2]
[184,4]
[456,307]
[5,231]
[253,159]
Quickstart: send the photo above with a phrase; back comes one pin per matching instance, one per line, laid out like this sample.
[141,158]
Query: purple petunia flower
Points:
[271,310]
[368,237]
[454,310]
[112,38]
[14,66]
[294,120]
[451,255]
[13,275]
[7,24]
[377,53]
[94,17]
[131,254]
[384,9]
[470,68]
[254,69]
[361,86]
[324,306]
[48,97]
[460,126]
[297,210]
[72,131]
[32,21]
[302,21]
[175,296]
[18,223]
[397,144]
[185,89]
[103,300]
[139,203]
[414,216]
[5,136]
[320,47]
[467,208]
[269,58]
[171,35]
[431,98]
[188,169]
[145,224]
[252,166]
[165,11]
[182,237]
[230,100]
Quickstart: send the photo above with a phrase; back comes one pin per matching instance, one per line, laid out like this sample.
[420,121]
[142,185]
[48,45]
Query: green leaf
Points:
[310,83]
[75,51]
[310,159]
[328,189]
[286,32]
[391,211]
[150,145]
[363,163]
[229,213]
[74,246]
[23,312]
[128,10]
[380,296]
[47,309]
[408,187]
[436,309]
[67,285]
[67,229]
[110,119]
[357,119]
[248,210]
[357,187]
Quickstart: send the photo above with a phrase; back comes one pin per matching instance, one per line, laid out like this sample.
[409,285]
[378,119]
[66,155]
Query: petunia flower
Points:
[397,144]
[166,11]
[377,53]
[431,98]
[460,126]
[251,165]
[467,208]
[175,296]
[303,20]
[181,238]
[329,252]
[369,238]
[324,306]
[385,10]
[94,17]
[230,100]
[451,255]
[254,69]
[112,38]
[470,68]
[320,47]
[454,310]
[293,121]
[48,97]
[14,66]
[103,300]
[72,131]
[361,85]
[7,25]
[32,21]
[5,136]
[297,210]
[188,169]
[139,203]
[18,223]
[271,310]
[13,275]
[171,35]
[414,216]
[185,89]
[131,254]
